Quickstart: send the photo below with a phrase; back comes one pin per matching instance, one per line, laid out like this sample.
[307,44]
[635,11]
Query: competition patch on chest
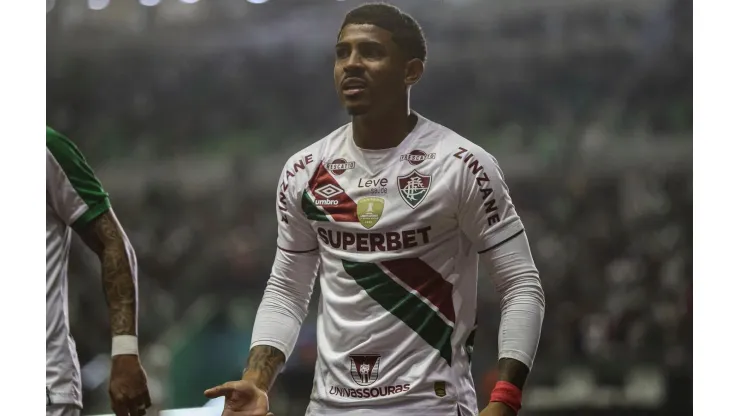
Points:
[369,210]
[414,187]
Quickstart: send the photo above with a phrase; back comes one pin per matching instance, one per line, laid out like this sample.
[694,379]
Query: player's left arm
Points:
[105,236]
[79,199]
[488,218]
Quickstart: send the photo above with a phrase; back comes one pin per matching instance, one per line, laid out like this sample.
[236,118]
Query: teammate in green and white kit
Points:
[393,211]
[75,200]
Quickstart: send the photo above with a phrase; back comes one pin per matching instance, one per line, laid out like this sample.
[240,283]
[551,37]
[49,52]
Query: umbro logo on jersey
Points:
[339,166]
[415,157]
[364,368]
[327,193]
[414,187]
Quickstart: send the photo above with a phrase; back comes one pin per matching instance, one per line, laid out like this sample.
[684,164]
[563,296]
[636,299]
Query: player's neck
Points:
[382,131]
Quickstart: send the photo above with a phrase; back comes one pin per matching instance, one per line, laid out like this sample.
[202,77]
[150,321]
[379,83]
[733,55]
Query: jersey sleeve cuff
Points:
[280,346]
[517,355]
[501,236]
[297,251]
[92,212]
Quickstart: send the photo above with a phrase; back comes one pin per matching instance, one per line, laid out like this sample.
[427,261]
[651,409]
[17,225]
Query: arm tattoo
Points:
[263,366]
[513,371]
[105,237]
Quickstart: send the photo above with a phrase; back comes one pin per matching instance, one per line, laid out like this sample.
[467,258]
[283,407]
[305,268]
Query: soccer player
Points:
[393,212]
[75,200]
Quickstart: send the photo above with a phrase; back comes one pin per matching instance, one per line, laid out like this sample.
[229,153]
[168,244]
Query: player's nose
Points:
[353,65]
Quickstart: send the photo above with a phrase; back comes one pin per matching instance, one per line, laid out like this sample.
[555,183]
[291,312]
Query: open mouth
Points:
[353,86]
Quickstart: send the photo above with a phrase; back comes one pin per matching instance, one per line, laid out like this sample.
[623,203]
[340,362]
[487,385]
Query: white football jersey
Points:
[398,232]
[74,197]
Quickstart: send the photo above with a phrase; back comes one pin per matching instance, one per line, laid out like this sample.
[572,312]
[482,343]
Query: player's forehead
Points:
[364,33]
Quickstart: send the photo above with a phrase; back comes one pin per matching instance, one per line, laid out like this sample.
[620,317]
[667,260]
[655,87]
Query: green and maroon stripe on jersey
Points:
[427,322]
[312,212]
[421,277]
[343,210]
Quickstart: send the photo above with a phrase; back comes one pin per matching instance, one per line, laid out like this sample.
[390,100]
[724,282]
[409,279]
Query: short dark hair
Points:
[407,33]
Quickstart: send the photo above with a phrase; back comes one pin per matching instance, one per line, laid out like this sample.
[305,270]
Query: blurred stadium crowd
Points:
[587,105]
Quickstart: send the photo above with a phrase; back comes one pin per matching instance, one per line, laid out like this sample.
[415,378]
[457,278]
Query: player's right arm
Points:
[284,304]
[281,313]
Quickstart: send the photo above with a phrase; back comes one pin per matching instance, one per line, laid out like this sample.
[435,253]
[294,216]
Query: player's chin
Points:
[356,108]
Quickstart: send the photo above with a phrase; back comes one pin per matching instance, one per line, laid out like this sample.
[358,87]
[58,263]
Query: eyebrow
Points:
[364,41]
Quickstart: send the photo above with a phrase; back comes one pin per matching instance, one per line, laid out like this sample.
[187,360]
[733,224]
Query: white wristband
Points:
[124,345]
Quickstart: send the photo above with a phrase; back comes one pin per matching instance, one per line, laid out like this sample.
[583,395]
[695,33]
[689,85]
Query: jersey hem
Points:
[63,398]
[315,410]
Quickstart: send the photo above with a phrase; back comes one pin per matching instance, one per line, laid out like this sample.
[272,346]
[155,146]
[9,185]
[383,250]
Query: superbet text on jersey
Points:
[398,233]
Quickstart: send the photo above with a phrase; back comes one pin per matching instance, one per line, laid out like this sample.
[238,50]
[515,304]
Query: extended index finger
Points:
[221,390]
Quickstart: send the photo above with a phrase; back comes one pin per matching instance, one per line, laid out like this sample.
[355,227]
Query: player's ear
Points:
[414,71]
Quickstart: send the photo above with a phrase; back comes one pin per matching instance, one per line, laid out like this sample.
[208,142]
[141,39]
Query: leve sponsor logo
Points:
[375,186]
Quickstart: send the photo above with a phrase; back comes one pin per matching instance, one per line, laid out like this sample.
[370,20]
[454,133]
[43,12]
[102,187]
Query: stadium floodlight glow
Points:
[189,1]
[257,1]
[149,3]
[97,4]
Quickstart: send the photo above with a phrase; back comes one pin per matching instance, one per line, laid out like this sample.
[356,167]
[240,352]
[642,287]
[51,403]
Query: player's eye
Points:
[372,51]
[341,52]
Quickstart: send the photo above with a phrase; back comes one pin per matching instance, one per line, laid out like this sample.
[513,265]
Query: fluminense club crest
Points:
[414,187]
